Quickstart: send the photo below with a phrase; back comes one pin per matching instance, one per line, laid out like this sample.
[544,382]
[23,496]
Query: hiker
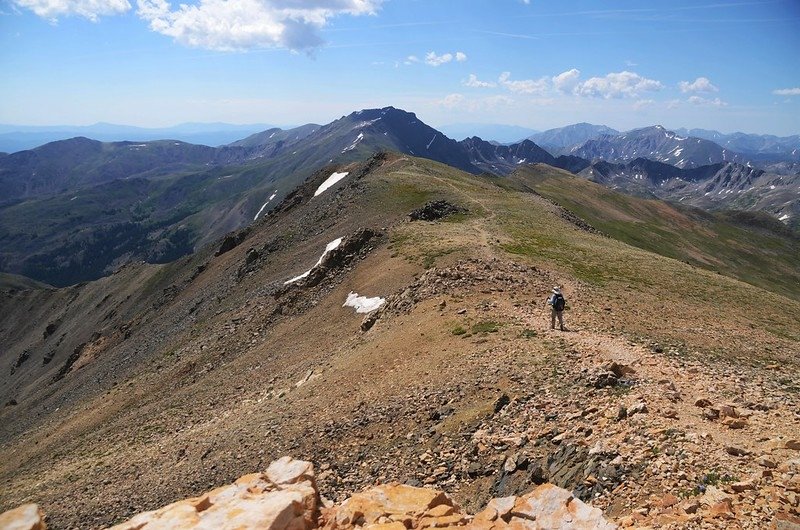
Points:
[557,302]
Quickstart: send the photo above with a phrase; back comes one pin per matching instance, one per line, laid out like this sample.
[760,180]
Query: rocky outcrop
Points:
[285,497]
[25,517]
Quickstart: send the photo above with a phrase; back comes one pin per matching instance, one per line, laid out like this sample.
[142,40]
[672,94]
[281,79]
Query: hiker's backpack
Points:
[559,302]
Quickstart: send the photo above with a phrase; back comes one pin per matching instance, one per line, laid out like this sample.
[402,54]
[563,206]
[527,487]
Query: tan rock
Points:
[668,500]
[785,521]
[764,461]
[252,502]
[745,485]
[555,508]
[25,517]
[396,501]
[722,509]
[737,423]
[713,495]
[502,506]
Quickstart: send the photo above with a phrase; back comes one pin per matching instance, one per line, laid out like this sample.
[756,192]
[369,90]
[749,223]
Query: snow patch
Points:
[783,217]
[330,181]
[431,142]
[271,135]
[329,247]
[363,304]
[354,144]
[265,205]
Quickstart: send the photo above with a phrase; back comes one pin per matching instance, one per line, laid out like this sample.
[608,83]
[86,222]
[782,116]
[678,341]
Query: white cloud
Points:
[524,86]
[787,92]
[91,9]
[462,103]
[437,60]
[566,82]
[703,102]
[452,101]
[701,84]
[474,82]
[673,104]
[643,104]
[617,85]
[245,24]
[411,59]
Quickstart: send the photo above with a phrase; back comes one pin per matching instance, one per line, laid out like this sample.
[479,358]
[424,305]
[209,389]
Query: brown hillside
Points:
[165,381]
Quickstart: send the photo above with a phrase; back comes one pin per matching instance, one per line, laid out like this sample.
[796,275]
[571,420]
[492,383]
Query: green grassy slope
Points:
[763,254]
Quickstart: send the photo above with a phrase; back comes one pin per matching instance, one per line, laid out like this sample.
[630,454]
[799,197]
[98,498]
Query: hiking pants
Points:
[553,315]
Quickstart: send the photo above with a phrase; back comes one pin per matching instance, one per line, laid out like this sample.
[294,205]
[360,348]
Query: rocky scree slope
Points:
[167,381]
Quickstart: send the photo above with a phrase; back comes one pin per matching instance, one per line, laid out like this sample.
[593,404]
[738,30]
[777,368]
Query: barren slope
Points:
[199,371]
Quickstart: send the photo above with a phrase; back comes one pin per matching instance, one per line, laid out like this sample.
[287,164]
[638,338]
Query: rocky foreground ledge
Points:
[285,497]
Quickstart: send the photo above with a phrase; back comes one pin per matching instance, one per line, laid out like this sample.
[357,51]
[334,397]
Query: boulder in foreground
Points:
[285,497]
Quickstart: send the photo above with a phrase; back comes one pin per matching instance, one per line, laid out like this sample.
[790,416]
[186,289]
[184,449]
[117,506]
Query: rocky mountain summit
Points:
[655,143]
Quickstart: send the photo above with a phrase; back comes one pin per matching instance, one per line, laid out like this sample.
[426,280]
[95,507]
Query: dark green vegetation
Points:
[752,247]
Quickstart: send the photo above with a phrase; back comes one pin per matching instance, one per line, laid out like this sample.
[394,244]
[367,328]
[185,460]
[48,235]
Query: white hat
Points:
[556,290]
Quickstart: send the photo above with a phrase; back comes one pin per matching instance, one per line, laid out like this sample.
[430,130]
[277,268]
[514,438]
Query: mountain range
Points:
[20,137]
[77,209]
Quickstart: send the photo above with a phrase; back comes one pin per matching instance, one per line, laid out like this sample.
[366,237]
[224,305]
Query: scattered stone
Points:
[736,451]
[702,402]
[739,487]
[637,408]
[764,461]
[501,402]
[793,445]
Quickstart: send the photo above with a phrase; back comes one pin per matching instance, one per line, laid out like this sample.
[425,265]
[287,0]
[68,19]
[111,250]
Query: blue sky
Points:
[718,64]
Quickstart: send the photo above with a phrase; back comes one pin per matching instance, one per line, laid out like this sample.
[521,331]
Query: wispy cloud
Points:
[524,86]
[462,103]
[701,84]
[432,59]
[703,102]
[643,104]
[89,9]
[473,82]
[787,92]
